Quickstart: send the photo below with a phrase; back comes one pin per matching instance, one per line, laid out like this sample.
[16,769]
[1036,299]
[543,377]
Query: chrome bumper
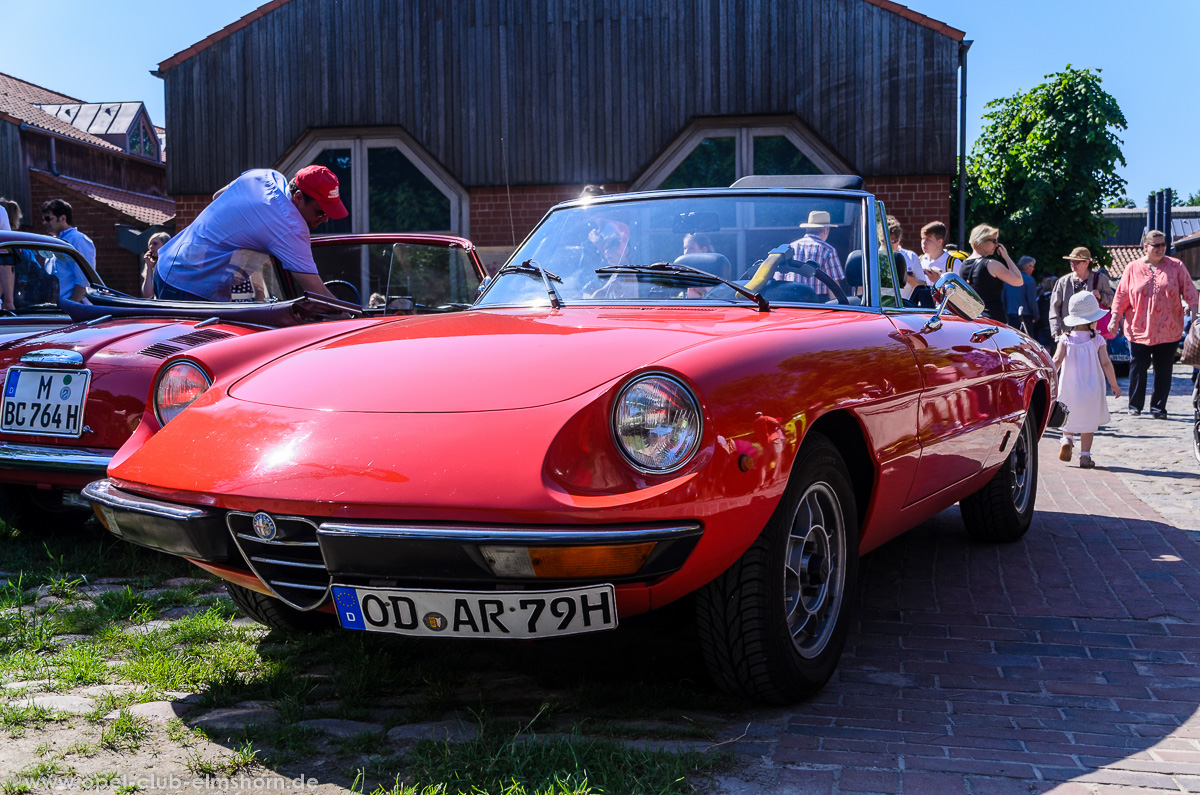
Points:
[168,527]
[52,459]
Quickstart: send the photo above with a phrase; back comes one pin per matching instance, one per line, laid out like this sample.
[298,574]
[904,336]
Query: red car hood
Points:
[439,363]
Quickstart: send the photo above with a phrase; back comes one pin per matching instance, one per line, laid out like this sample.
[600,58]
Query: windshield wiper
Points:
[688,272]
[531,267]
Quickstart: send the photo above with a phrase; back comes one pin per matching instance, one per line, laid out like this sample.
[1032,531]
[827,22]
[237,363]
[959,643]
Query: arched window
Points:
[712,153]
[387,182]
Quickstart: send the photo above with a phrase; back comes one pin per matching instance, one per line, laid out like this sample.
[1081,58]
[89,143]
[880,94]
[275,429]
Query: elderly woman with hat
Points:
[1084,275]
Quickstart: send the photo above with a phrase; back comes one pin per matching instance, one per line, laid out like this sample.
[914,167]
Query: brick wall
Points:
[120,268]
[188,206]
[915,201]
[492,222]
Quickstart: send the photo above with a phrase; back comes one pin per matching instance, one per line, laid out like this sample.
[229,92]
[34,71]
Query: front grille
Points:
[290,564]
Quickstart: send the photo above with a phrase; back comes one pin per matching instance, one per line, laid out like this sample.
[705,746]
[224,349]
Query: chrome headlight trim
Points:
[694,445]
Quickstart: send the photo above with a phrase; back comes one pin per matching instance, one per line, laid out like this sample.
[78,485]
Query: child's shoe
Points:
[1086,462]
[1064,450]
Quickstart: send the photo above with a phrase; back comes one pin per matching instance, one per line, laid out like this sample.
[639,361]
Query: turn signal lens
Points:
[178,386]
[565,563]
[656,423]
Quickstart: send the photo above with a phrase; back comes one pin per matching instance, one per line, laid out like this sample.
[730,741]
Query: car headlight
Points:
[656,423]
[177,387]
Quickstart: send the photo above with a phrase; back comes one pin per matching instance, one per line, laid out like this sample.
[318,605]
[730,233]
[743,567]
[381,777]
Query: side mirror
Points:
[483,285]
[952,293]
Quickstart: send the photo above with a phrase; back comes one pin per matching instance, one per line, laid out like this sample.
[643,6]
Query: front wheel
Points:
[773,626]
[1003,509]
[273,613]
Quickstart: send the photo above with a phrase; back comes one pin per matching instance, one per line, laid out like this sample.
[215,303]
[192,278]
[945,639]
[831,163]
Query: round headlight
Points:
[656,423]
[177,387]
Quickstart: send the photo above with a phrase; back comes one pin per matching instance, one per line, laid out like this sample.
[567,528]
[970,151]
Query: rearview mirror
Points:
[954,294]
[696,222]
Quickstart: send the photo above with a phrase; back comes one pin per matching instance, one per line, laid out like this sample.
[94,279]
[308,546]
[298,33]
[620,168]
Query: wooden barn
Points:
[476,116]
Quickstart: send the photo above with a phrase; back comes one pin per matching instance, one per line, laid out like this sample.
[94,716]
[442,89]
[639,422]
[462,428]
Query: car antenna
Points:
[512,225]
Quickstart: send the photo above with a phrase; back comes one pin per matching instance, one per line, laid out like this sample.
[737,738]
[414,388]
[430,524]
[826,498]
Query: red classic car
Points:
[74,393]
[33,259]
[613,426]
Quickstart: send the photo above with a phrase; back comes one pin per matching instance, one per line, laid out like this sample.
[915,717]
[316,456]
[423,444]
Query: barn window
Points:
[387,182]
[715,152]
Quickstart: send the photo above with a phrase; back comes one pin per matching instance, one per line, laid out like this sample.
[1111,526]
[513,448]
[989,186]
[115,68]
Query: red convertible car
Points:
[613,426]
[33,259]
[76,389]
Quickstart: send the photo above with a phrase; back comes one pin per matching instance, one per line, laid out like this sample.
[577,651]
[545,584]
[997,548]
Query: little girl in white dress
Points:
[1083,363]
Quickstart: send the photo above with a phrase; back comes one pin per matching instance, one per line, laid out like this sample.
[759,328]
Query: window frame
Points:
[358,141]
[743,131]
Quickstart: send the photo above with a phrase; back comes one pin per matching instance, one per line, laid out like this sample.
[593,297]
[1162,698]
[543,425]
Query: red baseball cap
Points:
[321,184]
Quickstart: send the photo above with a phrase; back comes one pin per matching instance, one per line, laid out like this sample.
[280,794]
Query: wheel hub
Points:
[815,572]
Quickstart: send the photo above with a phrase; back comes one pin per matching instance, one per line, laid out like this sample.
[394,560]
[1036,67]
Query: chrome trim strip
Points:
[53,357]
[276,517]
[299,586]
[36,456]
[583,534]
[258,540]
[105,493]
[294,563]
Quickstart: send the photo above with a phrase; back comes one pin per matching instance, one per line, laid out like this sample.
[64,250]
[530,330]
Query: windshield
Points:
[790,249]
[411,276]
[36,274]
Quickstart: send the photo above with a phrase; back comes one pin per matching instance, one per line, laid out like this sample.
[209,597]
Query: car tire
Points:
[772,626]
[273,613]
[36,511]
[1002,510]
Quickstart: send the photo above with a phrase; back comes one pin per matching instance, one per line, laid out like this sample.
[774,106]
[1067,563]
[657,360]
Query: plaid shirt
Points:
[814,249]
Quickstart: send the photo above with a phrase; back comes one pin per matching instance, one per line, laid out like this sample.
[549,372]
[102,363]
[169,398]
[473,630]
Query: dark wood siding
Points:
[562,91]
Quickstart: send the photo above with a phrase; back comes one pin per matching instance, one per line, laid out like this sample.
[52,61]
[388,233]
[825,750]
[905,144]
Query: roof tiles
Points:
[152,210]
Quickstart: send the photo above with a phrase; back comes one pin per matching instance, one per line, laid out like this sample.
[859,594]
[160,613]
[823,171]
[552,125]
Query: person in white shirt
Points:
[914,276]
[935,260]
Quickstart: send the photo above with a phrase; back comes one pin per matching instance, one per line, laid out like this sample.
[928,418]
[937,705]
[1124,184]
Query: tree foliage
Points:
[1045,164]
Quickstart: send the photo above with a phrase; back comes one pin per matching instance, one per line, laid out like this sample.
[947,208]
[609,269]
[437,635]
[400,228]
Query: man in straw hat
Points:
[1150,298]
[1083,276]
[812,247]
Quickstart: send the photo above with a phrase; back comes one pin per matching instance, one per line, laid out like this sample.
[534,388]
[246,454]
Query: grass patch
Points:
[16,719]
[243,760]
[125,733]
[34,776]
[500,761]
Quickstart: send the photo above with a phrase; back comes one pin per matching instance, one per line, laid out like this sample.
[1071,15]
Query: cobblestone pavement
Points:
[1066,662]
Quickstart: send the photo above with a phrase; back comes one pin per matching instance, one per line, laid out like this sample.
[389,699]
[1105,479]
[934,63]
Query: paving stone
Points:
[342,728]
[98,691]
[185,582]
[155,711]
[174,613]
[452,730]
[146,627]
[237,717]
[76,705]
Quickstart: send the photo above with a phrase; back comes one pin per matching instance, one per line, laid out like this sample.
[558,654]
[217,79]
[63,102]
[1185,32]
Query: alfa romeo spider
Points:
[613,426]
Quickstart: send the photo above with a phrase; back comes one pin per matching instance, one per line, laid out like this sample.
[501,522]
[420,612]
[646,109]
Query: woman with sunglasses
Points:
[985,271]
[259,211]
[1150,298]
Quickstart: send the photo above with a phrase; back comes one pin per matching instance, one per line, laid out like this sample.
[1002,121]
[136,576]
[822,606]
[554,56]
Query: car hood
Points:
[118,338]
[441,363]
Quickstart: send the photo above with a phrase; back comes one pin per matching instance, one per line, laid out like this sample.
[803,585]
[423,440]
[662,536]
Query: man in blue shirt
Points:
[259,211]
[1021,303]
[57,216]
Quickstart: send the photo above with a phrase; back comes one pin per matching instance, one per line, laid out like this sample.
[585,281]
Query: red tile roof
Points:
[17,99]
[30,92]
[1122,256]
[138,207]
[263,10]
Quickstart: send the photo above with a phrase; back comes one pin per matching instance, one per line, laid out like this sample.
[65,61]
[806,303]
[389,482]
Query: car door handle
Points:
[984,333]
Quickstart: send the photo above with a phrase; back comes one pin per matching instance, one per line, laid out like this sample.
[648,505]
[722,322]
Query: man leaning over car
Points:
[259,211]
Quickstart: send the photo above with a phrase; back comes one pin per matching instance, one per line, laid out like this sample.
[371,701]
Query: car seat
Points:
[716,264]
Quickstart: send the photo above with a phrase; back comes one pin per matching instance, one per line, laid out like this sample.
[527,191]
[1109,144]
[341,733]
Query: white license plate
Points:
[477,614]
[44,402]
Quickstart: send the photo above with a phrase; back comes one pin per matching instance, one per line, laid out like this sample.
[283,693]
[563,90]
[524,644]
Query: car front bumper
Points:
[299,558]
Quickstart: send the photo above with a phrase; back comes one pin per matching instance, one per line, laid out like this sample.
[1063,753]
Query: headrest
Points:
[854,269]
[716,264]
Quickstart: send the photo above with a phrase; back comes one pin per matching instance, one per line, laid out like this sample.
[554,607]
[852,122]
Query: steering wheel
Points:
[344,291]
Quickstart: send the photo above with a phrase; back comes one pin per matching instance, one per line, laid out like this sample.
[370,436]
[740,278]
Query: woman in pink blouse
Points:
[1150,297]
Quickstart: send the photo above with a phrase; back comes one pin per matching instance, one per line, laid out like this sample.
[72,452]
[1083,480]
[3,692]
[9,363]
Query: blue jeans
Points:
[165,292]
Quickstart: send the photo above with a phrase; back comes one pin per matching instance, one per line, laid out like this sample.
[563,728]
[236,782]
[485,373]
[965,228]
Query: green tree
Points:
[1046,163]
[1176,197]
[1193,200]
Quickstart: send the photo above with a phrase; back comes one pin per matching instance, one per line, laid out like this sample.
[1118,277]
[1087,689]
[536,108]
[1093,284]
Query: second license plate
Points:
[44,402]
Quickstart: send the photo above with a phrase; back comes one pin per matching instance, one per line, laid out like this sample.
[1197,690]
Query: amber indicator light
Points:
[595,561]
